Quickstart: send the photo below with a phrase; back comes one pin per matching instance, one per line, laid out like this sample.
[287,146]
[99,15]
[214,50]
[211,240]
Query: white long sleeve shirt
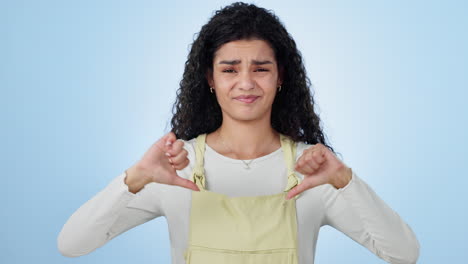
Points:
[355,210]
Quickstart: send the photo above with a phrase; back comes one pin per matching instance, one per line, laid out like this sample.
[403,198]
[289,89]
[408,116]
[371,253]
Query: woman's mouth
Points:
[247,100]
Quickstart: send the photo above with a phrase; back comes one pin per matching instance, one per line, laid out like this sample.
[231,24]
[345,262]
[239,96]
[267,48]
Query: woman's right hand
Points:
[156,166]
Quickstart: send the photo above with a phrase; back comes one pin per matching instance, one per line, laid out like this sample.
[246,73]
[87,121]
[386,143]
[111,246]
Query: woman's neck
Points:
[244,141]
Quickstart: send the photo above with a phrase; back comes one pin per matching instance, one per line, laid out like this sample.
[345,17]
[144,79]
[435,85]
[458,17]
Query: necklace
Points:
[247,164]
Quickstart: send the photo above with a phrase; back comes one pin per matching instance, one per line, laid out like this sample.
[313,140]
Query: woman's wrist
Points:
[135,179]
[343,178]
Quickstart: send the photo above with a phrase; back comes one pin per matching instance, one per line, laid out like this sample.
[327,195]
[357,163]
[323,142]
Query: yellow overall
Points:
[242,230]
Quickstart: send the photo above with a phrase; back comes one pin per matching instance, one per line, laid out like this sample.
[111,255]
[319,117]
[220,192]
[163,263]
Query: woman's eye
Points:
[231,70]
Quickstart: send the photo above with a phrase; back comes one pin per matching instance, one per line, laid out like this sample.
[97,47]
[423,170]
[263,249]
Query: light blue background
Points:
[88,86]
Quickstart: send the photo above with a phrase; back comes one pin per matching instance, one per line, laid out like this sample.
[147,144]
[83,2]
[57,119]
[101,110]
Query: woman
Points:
[244,89]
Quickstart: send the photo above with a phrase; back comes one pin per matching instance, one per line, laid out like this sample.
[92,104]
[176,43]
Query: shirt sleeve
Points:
[109,213]
[359,213]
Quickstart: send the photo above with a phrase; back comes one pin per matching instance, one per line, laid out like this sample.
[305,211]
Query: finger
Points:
[179,181]
[303,168]
[175,148]
[319,155]
[297,190]
[306,166]
[180,157]
[306,156]
[310,160]
[307,183]
[163,143]
[182,165]
[169,138]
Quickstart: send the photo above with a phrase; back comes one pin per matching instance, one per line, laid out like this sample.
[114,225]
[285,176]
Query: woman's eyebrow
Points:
[255,62]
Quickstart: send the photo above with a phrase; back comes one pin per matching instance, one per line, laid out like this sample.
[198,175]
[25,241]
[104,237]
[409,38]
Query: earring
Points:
[211,89]
[279,90]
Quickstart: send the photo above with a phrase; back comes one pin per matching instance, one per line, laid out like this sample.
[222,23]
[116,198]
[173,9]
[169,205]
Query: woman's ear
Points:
[209,77]
[280,75]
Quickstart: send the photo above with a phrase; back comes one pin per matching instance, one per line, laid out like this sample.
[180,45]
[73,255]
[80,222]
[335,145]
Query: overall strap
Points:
[287,144]
[289,149]
[198,173]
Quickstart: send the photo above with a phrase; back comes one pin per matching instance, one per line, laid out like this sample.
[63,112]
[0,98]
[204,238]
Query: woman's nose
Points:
[246,81]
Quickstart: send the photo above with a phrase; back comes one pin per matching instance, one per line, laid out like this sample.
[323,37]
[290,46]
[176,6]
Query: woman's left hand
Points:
[319,165]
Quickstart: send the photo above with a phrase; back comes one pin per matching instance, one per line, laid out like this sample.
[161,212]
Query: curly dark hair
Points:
[197,110]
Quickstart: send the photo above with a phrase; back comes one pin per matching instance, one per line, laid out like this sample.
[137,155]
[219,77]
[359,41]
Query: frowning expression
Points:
[245,79]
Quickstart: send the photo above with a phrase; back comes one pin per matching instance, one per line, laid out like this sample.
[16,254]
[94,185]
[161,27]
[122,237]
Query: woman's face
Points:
[245,68]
